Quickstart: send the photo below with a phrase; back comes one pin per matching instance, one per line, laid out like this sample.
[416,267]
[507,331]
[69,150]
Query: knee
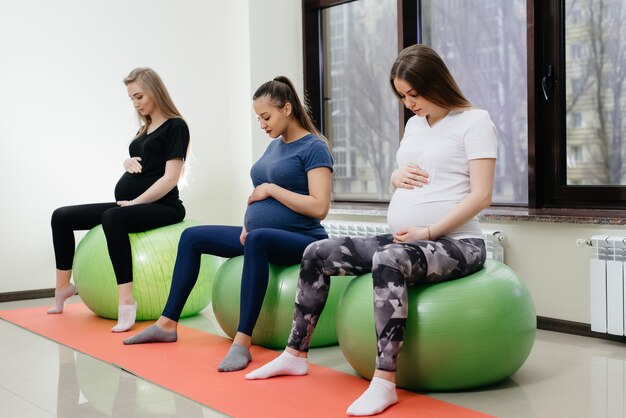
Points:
[111,219]
[318,250]
[190,239]
[258,236]
[264,239]
[322,256]
[394,257]
[59,217]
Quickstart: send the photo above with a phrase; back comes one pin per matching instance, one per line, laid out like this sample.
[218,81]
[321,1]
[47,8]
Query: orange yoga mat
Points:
[189,368]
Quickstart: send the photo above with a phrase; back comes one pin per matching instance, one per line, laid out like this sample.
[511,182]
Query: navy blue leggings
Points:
[262,246]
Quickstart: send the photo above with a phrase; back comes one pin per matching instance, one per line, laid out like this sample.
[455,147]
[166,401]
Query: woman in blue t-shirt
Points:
[146,196]
[446,165]
[292,189]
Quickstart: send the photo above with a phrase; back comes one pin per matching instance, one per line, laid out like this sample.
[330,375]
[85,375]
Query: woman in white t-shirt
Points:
[445,177]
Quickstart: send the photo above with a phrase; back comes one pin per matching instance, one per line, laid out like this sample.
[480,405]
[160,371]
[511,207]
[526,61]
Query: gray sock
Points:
[152,334]
[237,358]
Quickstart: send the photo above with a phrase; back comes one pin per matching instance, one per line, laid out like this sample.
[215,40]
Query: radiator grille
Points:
[493,239]
[607,275]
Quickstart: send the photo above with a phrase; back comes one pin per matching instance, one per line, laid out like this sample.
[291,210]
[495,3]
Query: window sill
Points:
[501,213]
[571,216]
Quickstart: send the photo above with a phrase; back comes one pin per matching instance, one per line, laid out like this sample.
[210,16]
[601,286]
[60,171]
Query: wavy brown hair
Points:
[421,67]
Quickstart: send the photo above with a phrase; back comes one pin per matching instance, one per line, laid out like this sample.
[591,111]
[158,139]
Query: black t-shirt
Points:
[167,142]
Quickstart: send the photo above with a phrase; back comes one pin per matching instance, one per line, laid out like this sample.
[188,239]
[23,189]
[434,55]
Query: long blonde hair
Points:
[154,87]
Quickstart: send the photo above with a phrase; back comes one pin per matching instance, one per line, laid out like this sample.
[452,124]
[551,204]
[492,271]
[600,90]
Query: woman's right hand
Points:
[242,237]
[408,177]
[131,165]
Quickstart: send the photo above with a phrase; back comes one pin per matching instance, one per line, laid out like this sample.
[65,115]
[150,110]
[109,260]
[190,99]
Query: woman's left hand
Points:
[261,192]
[411,234]
[123,203]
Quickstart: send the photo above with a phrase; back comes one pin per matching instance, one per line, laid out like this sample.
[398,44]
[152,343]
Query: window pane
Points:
[595,97]
[361,113]
[484,44]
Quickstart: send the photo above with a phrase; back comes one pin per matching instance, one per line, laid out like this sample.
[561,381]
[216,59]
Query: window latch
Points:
[547,82]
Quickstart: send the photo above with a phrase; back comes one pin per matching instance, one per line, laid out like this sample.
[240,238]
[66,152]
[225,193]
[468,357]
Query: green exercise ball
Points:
[274,324]
[461,334]
[154,255]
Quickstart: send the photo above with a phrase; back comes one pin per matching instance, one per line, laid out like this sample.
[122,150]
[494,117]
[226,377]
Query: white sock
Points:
[126,315]
[380,395]
[285,364]
[60,296]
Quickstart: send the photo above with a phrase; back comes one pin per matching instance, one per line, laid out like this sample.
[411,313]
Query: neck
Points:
[156,118]
[294,133]
[435,117]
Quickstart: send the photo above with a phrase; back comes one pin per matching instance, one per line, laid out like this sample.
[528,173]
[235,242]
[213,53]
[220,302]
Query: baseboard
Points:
[26,294]
[575,328]
[544,323]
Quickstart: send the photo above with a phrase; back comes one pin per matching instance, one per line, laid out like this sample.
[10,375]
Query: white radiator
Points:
[493,239]
[607,279]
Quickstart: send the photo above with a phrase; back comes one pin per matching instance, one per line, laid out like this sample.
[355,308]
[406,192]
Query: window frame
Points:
[547,137]
[547,154]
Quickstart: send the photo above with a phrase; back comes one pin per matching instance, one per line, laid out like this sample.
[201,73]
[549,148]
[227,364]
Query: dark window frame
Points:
[547,125]
[547,183]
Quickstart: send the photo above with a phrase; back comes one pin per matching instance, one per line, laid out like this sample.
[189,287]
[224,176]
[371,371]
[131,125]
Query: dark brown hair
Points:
[281,91]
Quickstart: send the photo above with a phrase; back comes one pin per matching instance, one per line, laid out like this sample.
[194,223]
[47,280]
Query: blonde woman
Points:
[146,196]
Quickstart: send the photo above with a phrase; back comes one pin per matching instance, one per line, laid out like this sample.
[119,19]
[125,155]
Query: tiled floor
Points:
[565,376]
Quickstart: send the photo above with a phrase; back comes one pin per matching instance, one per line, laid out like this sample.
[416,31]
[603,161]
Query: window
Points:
[576,52]
[551,73]
[360,113]
[492,76]
[578,142]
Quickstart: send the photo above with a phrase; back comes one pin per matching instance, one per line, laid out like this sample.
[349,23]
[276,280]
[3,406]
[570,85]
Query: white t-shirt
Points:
[443,151]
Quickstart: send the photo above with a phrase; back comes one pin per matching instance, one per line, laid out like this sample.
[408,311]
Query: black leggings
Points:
[117,222]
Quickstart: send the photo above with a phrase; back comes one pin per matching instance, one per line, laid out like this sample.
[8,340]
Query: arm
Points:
[481,185]
[315,204]
[161,187]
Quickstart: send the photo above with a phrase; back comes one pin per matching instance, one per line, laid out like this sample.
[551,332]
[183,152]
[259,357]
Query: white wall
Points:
[65,123]
[556,271]
[275,49]
[66,120]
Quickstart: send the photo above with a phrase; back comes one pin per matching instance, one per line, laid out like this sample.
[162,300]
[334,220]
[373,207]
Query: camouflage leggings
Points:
[393,266]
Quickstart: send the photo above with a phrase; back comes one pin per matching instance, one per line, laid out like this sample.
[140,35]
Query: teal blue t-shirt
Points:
[286,165]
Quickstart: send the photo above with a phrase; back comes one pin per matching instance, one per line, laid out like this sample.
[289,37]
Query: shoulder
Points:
[314,152]
[475,116]
[177,128]
[479,133]
[314,141]
[177,123]
[314,145]
[416,122]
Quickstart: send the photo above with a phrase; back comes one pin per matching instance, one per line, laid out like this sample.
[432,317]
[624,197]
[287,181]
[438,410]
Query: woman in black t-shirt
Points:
[146,196]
